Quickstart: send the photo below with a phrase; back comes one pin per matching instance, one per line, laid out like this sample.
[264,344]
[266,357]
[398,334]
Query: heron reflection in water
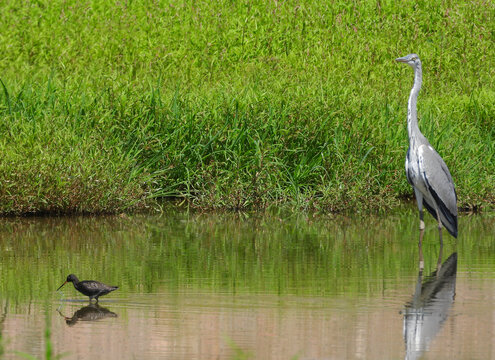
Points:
[425,314]
[91,312]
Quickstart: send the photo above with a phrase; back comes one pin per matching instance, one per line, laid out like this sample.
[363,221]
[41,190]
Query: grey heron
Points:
[425,169]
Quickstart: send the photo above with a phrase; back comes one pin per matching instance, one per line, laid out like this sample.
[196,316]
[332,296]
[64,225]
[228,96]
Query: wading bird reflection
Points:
[425,169]
[91,312]
[425,314]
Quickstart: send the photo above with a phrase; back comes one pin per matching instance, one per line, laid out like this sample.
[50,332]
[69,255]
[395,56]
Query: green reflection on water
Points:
[229,253]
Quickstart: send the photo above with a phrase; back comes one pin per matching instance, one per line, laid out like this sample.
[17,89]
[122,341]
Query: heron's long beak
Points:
[61,286]
[401,59]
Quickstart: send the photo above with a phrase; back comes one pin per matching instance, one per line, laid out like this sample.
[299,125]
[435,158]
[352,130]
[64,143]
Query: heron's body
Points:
[91,288]
[425,169]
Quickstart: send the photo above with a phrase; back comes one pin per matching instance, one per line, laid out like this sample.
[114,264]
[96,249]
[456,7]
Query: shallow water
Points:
[196,286]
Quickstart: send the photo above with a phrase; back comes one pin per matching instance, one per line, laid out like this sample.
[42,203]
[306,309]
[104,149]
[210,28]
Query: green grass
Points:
[107,106]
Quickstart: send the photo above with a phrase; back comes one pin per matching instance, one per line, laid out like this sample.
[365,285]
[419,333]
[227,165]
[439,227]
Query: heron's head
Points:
[412,60]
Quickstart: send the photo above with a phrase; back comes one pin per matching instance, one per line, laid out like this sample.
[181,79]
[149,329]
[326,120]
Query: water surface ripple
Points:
[237,286]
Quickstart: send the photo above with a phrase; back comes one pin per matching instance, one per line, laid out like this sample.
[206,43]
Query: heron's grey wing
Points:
[439,182]
[437,177]
[408,176]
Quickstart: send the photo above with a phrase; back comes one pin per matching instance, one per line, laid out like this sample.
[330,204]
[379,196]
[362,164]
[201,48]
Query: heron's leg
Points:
[419,201]
[439,227]
[420,247]
[439,263]
[421,221]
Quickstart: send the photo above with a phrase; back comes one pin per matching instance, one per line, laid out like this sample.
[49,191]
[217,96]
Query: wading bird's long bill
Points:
[402,59]
[61,286]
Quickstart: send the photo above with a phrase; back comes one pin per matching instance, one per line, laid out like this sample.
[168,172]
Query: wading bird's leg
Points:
[419,201]
[420,246]
[439,228]
[439,263]
[421,221]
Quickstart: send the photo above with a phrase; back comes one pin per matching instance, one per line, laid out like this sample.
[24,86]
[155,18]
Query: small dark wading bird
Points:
[91,288]
[425,169]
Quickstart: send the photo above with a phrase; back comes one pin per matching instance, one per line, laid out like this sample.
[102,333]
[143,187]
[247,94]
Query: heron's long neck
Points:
[412,115]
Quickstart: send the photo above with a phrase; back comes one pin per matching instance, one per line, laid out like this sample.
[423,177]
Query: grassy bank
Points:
[106,106]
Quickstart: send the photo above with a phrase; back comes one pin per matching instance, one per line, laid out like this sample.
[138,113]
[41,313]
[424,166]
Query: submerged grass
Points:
[176,254]
[298,255]
[106,106]
[49,353]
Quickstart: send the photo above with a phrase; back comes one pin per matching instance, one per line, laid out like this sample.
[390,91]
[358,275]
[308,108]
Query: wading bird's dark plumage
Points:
[425,169]
[91,288]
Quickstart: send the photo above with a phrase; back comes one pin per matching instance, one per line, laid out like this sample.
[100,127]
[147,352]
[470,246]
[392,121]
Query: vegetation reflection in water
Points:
[229,253]
[167,264]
